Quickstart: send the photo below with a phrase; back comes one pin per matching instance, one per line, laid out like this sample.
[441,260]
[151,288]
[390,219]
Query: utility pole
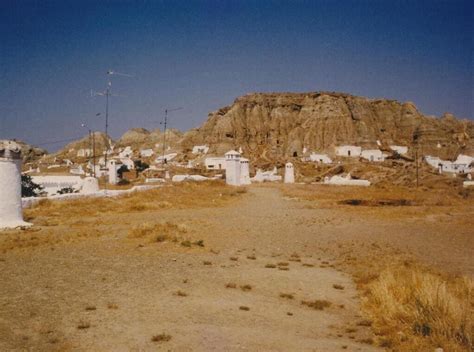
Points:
[165,123]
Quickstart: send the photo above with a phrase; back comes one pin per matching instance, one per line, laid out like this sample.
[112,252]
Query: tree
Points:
[29,188]
[140,166]
[121,170]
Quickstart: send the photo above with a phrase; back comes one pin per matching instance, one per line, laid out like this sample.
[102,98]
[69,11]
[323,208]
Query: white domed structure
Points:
[11,213]
[90,185]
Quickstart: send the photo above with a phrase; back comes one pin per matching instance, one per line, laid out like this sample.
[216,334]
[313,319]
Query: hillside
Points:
[282,124]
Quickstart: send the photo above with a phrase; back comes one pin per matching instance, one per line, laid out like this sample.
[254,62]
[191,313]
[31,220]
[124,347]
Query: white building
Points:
[289,173]
[128,163]
[345,181]
[232,168]
[350,151]
[11,212]
[262,176]
[402,150]
[77,170]
[146,153]
[165,158]
[215,163]
[52,184]
[244,171]
[85,152]
[320,158]
[200,149]
[373,155]
[126,153]
[462,165]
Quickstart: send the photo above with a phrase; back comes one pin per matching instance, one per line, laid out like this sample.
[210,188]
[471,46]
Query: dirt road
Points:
[242,291]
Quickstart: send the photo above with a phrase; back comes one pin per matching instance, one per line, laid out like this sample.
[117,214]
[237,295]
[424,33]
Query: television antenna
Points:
[108,94]
[165,124]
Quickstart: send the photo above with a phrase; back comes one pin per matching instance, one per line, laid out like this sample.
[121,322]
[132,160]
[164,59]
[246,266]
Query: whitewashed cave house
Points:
[373,155]
[350,151]
[200,149]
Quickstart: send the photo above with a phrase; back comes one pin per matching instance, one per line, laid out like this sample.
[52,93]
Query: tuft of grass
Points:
[338,287]
[161,338]
[89,308]
[364,322]
[429,309]
[251,257]
[244,308]
[234,259]
[270,266]
[308,265]
[287,295]
[207,262]
[186,243]
[231,285]
[246,287]
[199,243]
[112,306]
[283,264]
[317,304]
[284,268]
[180,293]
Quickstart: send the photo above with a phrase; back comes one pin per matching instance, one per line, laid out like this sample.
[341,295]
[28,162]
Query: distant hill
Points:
[275,126]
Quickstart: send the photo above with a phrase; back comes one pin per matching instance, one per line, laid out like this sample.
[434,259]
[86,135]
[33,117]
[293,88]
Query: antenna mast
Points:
[165,124]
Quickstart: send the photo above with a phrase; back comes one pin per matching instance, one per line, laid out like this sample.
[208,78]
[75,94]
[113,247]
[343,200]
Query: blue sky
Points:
[201,55]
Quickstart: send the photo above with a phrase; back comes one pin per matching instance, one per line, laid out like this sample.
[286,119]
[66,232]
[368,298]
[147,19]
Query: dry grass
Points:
[231,285]
[180,293]
[338,287]
[386,201]
[270,266]
[416,309]
[66,221]
[158,232]
[245,308]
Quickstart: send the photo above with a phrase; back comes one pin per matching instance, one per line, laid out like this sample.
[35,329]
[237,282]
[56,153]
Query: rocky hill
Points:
[272,127]
[279,125]
[30,153]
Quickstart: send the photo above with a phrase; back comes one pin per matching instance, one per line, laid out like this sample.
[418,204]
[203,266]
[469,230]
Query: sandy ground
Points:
[125,291]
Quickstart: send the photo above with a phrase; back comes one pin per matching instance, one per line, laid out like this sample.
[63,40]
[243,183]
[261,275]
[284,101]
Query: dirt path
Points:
[123,292]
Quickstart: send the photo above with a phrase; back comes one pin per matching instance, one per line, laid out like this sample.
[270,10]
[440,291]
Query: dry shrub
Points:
[318,304]
[416,309]
[161,338]
[158,232]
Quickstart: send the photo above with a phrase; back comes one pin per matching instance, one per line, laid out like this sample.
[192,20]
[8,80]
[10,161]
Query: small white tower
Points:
[289,173]
[112,171]
[232,168]
[244,172]
[11,213]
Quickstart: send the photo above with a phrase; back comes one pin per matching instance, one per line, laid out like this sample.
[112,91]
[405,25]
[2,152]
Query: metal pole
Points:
[93,152]
[164,135]
[416,163]
[107,93]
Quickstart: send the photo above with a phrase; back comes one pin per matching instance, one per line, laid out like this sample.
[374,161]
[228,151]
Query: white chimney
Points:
[11,213]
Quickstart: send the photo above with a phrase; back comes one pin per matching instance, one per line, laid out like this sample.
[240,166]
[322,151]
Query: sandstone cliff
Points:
[279,125]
